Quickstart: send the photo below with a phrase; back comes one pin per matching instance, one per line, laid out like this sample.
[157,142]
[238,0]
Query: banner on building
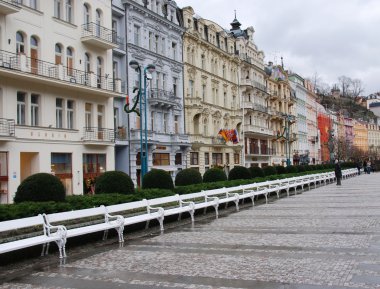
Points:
[229,135]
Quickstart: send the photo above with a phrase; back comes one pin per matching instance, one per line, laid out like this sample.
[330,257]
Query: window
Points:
[20,44]
[174,50]
[217,159]
[176,124]
[227,159]
[61,167]
[88,115]
[100,116]
[69,11]
[115,70]
[33,4]
[178,159]
[152,120]
[99,71]
[205,127]
[34,63]
[166,120]
[69,61]
[86,16]
[94,164]
[150,40]
[225,99]
[87,63]
[164,81]
[204,92]
[161,159]
[191,88]
[98,21]
[156,43]
[59,113]
[58,9]
[21,96]
[194,159]
[136,33]
[207,159]
[70,114]
[58,54]
[163,46]
[203,61]
[175,86]
[34,110]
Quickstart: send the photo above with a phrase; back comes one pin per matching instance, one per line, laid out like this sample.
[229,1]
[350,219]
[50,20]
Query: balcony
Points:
[255,107]
[99,36]
[7,128]
[9,7]
[164,99]
[259,130]
[246,82]
[260,86]
[261,151]
[273,95]
[21,67]
[218,141]
[120,49]
[121,136]
[98,135]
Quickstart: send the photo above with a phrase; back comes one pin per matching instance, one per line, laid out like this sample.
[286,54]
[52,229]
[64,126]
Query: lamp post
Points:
[141,98]
[289,120]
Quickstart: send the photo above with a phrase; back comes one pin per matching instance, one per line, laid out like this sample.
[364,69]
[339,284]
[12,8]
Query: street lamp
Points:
[289,120]
[141,99]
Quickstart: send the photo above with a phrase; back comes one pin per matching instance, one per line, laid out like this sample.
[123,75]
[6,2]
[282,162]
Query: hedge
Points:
[188,177]
[114,182]
[239,173]
[214,175]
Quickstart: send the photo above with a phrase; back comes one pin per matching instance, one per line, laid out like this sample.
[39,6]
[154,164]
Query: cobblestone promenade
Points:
[324,238]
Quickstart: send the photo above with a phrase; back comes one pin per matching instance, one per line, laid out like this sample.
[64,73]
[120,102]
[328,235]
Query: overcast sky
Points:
[327,37]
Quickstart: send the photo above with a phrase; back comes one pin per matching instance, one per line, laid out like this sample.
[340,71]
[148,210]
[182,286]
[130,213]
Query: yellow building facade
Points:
[373,140]
[360,136]
[211,96]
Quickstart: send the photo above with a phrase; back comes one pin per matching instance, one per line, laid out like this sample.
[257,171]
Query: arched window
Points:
[205,127]
[34,54]
[98,21]
[69,60]
[87,63]
[196,123]
[203,60]
[20,44]
[86,16]
[58,54]
[69,10]
[99,71]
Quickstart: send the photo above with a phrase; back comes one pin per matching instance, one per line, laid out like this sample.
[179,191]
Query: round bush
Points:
[188,177]
[269,171]
[214,175]
[114,182]
[238,173]
[280,170]
[41,187]
[256,172]
[291,169]
[157,179]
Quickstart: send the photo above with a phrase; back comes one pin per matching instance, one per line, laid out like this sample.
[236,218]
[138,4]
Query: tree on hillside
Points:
[357,87]
[344,84]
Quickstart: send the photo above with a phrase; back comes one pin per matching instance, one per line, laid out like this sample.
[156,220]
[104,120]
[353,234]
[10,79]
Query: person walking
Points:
[368,167]
[358,166]
[338,173]
[365,166]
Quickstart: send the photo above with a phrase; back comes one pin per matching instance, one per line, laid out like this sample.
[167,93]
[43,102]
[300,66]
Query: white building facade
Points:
[56,92]
[154,36]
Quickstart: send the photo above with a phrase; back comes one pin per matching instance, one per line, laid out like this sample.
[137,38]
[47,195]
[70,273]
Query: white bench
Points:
[107,222]
[43,234]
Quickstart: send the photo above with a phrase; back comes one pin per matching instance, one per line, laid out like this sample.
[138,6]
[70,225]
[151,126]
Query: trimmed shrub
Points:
[291,169]
[114,182]
[41,187]
[301,169]
[280,170]
[269,171]
[239,173]
[256,172]
[188,177]
[214,175]
[157,179]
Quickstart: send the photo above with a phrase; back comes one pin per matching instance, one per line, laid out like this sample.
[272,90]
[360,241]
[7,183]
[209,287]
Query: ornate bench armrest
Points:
[191,204]
[119,218]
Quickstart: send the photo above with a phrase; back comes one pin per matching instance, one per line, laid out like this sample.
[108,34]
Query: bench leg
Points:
[278,194]
[179,216]
[237,205]
[253,200]
[266,198]
[120,231]
[161,221]
[192,215]
[61,247]
[216,210]
[105,235]
[226,206]
[147,224]
[287,191]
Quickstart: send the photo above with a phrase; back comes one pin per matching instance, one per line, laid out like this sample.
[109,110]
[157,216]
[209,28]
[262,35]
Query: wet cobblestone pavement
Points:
[327,237]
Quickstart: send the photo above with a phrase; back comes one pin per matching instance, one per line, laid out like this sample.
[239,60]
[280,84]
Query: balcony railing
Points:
[120,43]
[95,30]
[9,6]
[7,127]
[164,96]
[121,134]
[259,130]
[260,86]
[98,134]
[255,150]
[24,64]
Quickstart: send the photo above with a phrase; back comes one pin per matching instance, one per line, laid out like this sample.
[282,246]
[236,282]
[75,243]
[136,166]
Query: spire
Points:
[235,23]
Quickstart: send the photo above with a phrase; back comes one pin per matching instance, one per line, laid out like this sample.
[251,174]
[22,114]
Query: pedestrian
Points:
[338,173]
[358,166]
[368,167]
[365,166]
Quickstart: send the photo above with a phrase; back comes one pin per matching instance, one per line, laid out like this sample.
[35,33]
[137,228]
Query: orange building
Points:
[324,125]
